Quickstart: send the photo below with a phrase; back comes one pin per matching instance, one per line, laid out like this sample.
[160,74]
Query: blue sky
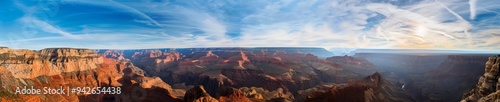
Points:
[387,24]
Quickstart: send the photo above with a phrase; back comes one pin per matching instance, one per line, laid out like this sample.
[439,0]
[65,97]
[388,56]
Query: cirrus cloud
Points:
[425,24]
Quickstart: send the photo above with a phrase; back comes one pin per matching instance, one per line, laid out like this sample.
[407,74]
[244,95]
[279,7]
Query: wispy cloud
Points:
[420,26]
[424,24]
[46,27]
[472,4]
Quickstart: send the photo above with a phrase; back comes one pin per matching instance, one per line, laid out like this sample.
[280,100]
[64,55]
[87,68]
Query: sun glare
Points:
[421,30]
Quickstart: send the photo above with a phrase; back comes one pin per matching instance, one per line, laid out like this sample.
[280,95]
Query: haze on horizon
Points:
[470,25]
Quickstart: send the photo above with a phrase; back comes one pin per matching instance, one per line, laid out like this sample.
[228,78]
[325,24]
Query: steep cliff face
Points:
[488,87]
[31,64]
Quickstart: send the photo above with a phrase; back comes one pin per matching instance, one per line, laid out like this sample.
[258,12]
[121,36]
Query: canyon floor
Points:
[247,75]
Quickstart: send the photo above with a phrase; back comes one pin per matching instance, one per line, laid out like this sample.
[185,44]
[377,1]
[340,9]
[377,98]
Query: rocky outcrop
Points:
[170,56]
[244,94]
[488,87]
[209,59]
[198,94]
[53,61]
[261,94]
[115,54]
[228,94]
[322,88]
[155,55]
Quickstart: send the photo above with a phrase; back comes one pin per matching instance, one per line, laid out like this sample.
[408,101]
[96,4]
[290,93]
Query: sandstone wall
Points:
[53,61]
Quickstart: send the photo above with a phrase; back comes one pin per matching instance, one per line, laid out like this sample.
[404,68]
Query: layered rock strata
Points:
[53,61]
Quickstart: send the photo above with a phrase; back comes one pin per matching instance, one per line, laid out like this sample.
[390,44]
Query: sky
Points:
[331,24]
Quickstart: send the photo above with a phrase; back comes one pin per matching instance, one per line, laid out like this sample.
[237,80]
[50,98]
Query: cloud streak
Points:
[425,24]
[46,27]
[472,4]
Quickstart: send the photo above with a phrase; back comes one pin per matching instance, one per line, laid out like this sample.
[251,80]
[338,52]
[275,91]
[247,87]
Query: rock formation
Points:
[373,88]
[198,94]
[488,87]
[31,64]
[7,83]
[228,94]
[115,54]
[244,94]
[261,94]
[77,68]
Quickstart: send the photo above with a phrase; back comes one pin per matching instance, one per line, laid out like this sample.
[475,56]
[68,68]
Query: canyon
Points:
[238,75]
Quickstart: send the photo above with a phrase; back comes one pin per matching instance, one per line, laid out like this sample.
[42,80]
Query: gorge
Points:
[239,74]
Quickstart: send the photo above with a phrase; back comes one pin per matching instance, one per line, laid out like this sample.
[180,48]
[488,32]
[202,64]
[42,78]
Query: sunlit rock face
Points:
[115,54]
[488,87]
[7,81]
[92,71]
[54,61]
[198,94]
